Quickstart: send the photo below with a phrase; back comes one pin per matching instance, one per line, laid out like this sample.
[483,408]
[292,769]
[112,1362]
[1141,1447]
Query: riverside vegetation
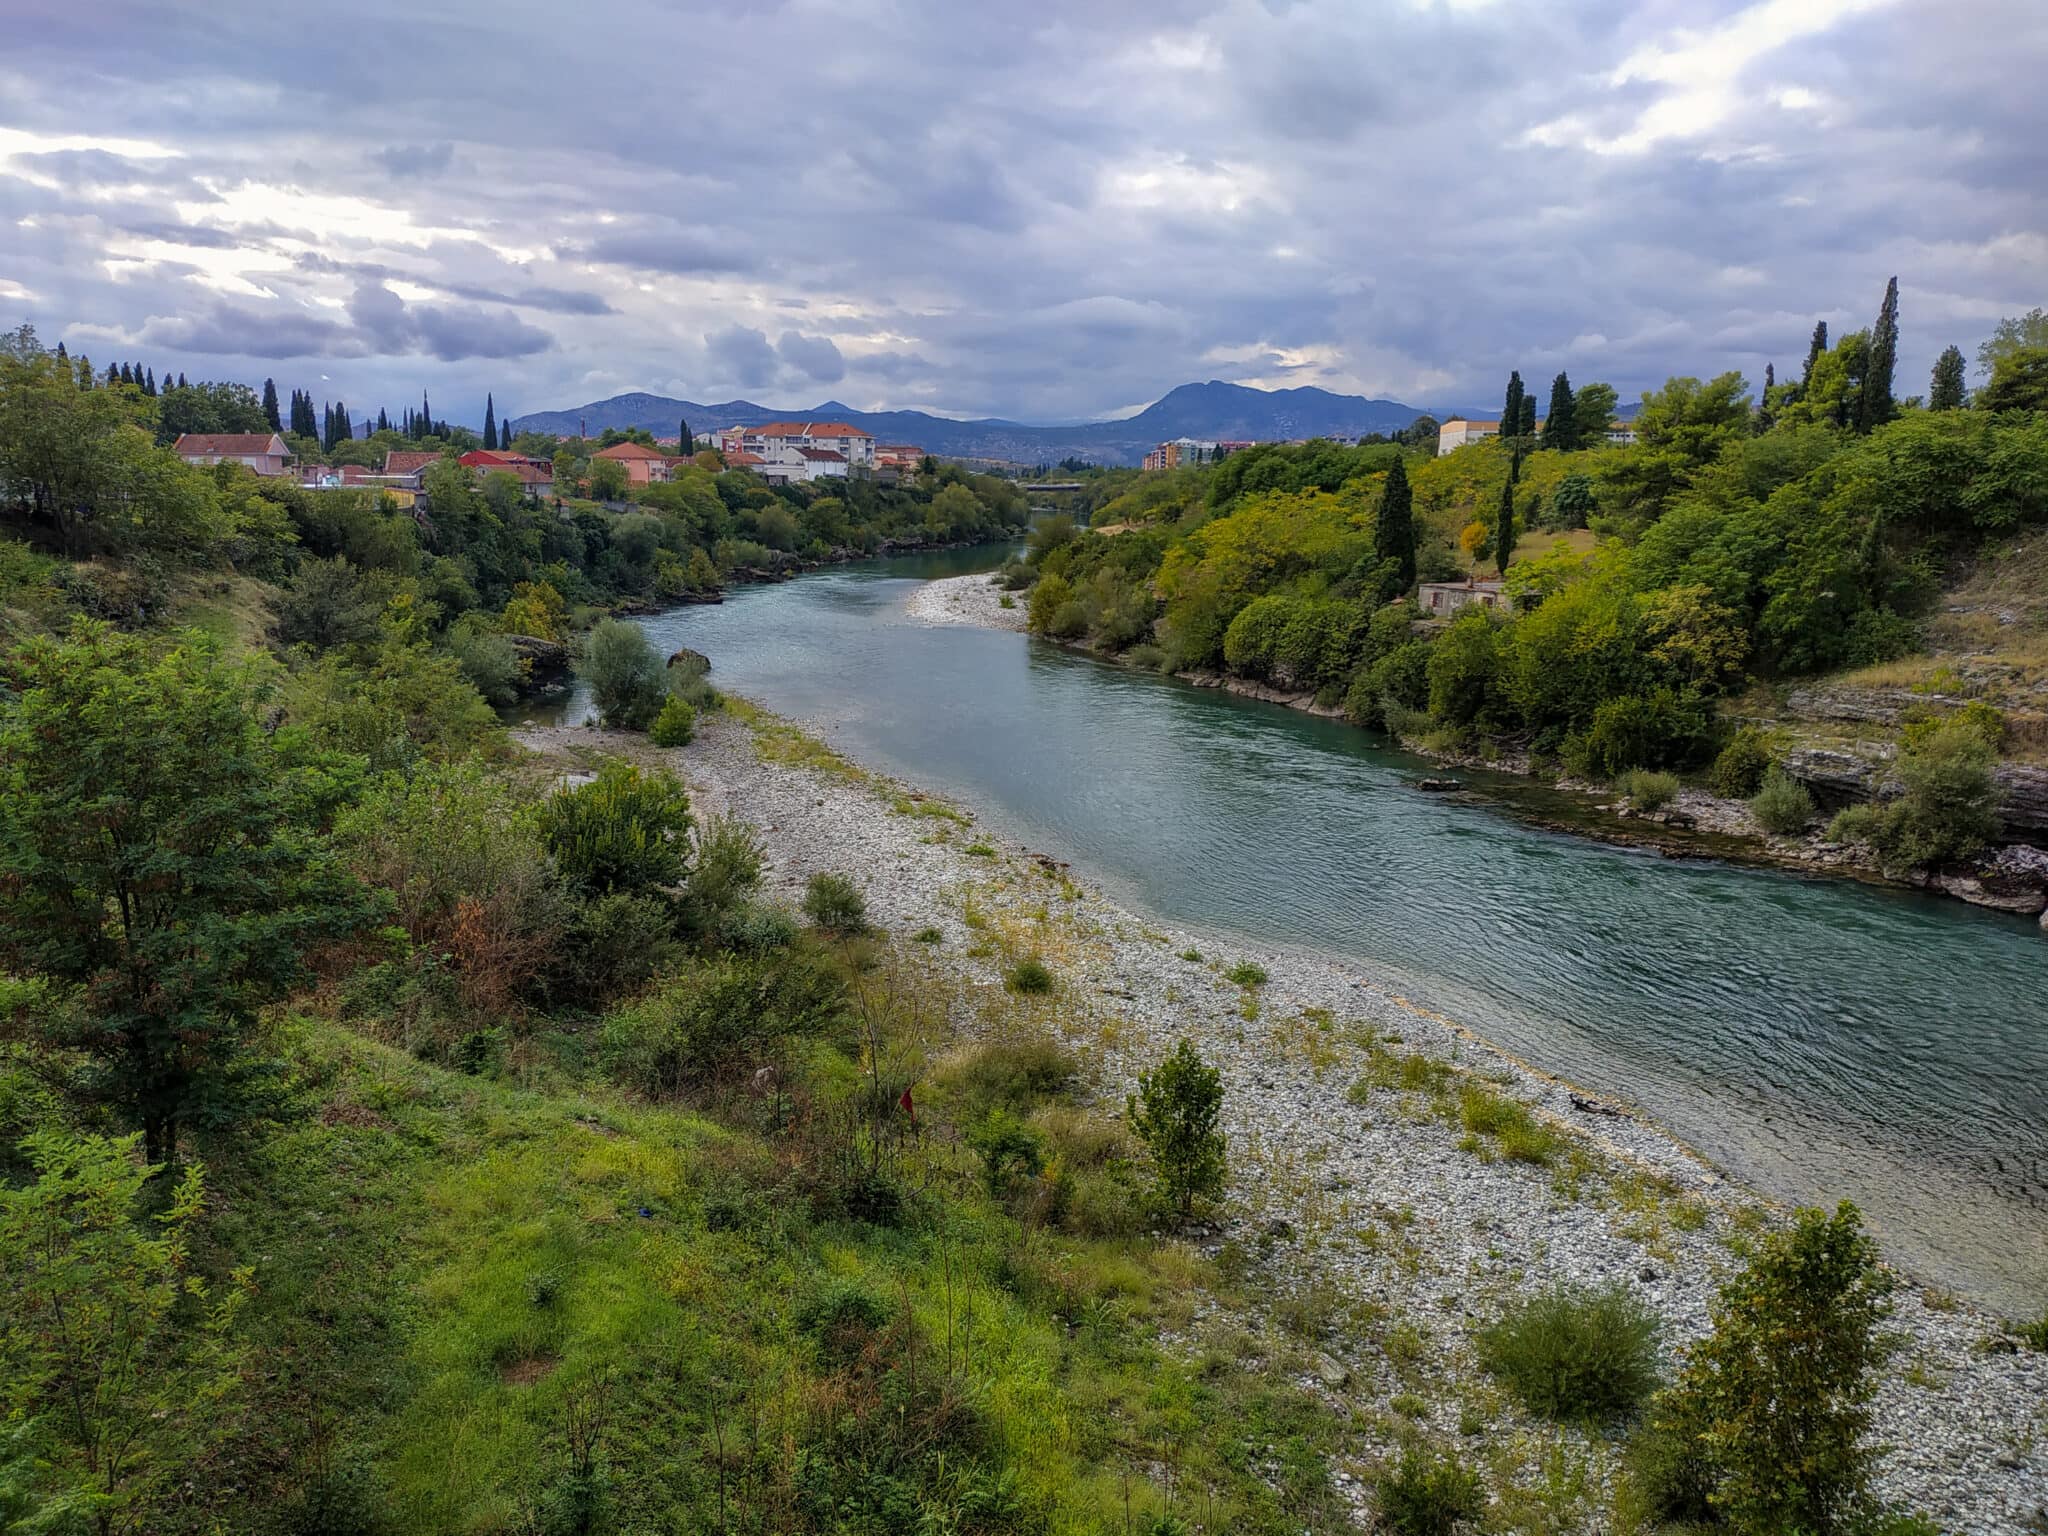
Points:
[1660,600]
[403,1132]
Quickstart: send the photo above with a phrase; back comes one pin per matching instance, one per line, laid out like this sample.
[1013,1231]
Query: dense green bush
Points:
[1777,1398]
[1950,805]
[1782,805]
[1009,1151]
[725,867]
[626,679]
[835,904]
[1647,790]
[1575,1353]
[1428,1494]
[1029,975]
[714,1018]
[1739,769]
[1175,1113]
[675,724]
[624,831]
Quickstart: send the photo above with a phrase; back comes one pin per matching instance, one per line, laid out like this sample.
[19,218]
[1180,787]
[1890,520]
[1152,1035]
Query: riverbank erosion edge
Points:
[1385,1221]
[2011,878]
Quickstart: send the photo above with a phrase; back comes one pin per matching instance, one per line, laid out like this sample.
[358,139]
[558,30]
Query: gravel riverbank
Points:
[1389,1232]
[966,600]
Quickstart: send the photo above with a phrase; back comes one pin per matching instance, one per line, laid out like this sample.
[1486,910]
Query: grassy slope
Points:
[447,1264]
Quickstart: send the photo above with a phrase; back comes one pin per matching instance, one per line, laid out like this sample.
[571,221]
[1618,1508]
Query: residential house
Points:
[408,466]
[536,477]
[776,441]
[643,465]
[1457,432]
[263,452]
[1621,434]
[1441,599]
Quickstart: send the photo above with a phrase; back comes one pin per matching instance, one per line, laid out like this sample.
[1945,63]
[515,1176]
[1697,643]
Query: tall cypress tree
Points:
[1393,536]
[1504,526]
[270,405]
[1511,408]
[149,384]
[426,416]
[1814,348]
[62,355]
[1561,423]
[1945,391]
[490,422]
[1875,406]
[383,421]
[1762,417]
[686,445]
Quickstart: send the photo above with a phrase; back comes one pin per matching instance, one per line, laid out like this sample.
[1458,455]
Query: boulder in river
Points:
[693,663]
[540,659]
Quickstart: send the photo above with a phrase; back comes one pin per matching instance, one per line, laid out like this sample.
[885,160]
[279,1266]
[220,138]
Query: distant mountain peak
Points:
[1213,409]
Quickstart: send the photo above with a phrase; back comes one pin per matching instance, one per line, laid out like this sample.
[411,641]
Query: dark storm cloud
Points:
[1047,212]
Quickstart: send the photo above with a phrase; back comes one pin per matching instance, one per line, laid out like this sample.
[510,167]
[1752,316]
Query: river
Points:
[1819,1038]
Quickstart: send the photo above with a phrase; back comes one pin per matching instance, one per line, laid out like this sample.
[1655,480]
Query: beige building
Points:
[1457,432]
[1441,599]
[263,452]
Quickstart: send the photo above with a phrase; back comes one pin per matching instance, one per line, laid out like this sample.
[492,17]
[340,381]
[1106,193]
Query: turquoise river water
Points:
[1820,1038]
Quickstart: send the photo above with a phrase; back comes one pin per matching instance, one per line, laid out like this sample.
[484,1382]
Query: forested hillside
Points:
[1652,597]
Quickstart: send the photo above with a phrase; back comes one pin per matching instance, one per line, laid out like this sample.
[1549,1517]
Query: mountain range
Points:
[1208,411]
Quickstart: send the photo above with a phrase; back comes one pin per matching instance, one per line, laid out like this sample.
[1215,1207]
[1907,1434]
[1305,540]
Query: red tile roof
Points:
[407,461]
[804,429]
[823,455]
[629,451]
[229,444]
[740,459]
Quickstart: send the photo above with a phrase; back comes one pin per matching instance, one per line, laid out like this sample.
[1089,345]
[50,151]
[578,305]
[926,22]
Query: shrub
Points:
[2035,1334]
[675,724]
[1428,1495]
[487,660]
[624,831]
[1648,791]
[714,1016]
[626,679]
[1778,1396]
[1009,1150]
[835,904]
[841,1317]
[1740,768]
[929,936]
[1572,1353]
[1029,975]
[1174,1112]
[1856,824]
[1248,973]
[725,868]
[755,927]
[1950,805]
[1011,1074]
[1782,806]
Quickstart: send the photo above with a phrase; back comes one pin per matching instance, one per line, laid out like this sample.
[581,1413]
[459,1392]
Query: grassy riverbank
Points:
[1397,1183]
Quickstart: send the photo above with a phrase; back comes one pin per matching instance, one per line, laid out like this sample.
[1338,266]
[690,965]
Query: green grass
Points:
[1247,973]
[451,1267]
[1575,1354]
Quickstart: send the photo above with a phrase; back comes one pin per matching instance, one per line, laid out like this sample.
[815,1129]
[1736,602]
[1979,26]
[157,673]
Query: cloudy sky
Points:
[1050,211]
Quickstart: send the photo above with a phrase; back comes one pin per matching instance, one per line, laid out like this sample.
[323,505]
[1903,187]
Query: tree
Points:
[1875,406]
[1946,390]
[490,422]
[270,406]
[1511,408]
[1174,1112]
[1573,503]
[1594,407]
[162,868]
[1393,536]
[1561,422]
[2019,382]
[1815,348]
[607,479]
[1762,417]
[686,445]
[1776,1401]
[1504,532]
[111,1354]
[2014,333]
[625,675]
[625,831]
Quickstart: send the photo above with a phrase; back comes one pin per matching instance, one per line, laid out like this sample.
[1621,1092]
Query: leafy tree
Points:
[112,1355]
[331,604]
[1945,390]
[1593,407]
[2019,382]
[1561,422]
[1175,1113]
[625,831]
[1573,502]
[1775,1403]
[624,673]
[535,608]
[607,480]
[1875,406]
[2015,333]
[1393,535]
[162,866]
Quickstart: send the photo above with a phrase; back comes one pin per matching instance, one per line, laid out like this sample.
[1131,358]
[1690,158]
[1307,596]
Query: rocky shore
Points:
[1384,1230]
